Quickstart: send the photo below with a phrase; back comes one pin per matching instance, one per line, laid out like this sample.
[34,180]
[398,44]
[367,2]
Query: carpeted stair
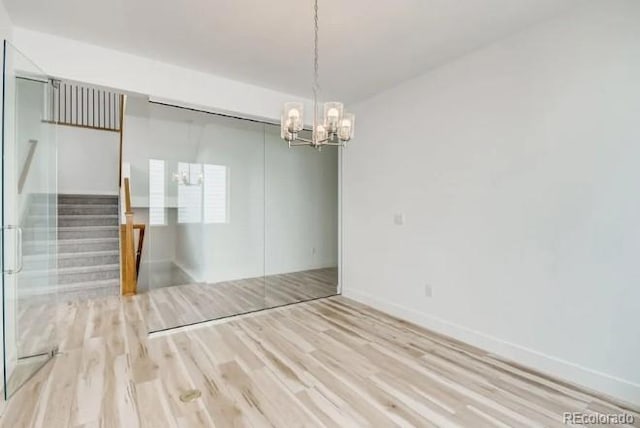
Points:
[87,244]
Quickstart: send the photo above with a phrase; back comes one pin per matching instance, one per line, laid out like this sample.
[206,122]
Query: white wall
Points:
[87,161]
[75,60]
[6,27]
[517,168]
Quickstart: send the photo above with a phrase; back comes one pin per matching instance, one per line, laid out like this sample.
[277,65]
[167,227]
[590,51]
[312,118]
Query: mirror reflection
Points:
[236,222]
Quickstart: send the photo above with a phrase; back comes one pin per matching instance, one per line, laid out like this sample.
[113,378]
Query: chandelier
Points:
[334,128]
[186,178]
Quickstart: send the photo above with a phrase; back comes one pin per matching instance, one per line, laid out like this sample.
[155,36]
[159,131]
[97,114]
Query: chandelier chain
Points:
[334,127]
[316,74]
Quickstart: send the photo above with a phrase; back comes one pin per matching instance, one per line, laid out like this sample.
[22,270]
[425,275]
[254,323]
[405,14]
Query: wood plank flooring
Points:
[330,362]
[179,305]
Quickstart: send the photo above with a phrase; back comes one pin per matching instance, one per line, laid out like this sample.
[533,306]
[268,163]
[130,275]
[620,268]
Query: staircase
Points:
[88,249]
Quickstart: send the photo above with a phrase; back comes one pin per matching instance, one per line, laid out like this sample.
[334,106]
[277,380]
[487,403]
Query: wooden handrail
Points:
[127,196]
[122,107]
[27,165]
[127,251]
[95,128]
[141,228]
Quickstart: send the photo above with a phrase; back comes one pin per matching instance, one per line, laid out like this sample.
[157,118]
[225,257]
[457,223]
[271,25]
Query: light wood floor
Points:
[179,305]
[330,362]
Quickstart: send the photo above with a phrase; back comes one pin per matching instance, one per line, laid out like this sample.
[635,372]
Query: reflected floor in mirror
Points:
[181,305]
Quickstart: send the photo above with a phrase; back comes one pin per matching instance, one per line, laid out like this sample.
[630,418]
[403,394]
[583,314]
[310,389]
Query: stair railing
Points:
[141,229]
[130,253]
[82,106]
[27,165]
[127,251]
[122,105]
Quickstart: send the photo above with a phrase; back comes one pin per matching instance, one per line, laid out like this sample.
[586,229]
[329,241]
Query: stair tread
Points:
[101,206]
[38,216]
[87,195]
[87,215]
[72,204]
[70,255]
[71,228]
[68,270]
[68,204]
[60,288]
[89,206]
[71,240]
[94,200]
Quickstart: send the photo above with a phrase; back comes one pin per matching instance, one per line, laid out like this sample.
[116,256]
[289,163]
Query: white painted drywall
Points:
[6,26]
[87,161]
[269,43]
[76,60]
[516,167]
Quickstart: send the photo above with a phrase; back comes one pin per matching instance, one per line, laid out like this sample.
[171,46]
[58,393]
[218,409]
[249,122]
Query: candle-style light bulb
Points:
[294,114]
[292,119]
[345,129]
[332,116]
[321,134]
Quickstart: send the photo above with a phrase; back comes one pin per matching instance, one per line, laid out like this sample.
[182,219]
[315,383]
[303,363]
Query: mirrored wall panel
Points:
[236,221]
[301,221]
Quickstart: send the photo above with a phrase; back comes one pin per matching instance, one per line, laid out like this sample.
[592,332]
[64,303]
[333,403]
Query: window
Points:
[157,211]
[190,193]
[215,194]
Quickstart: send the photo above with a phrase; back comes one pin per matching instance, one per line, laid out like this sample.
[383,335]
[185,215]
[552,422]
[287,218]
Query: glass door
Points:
[29,220]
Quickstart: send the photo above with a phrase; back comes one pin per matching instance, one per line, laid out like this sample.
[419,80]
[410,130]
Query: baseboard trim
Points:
[598,382]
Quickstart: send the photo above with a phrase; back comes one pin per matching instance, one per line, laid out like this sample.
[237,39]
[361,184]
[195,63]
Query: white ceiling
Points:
[365,45]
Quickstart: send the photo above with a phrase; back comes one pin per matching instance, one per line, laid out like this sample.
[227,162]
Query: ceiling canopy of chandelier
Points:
[334,128]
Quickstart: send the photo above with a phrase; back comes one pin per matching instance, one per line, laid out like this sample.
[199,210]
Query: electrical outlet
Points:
[428,292]
[313,251]
[399,219]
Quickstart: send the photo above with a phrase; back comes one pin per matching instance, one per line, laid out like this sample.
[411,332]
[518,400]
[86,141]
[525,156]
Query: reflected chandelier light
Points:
[184,177]
[335,128]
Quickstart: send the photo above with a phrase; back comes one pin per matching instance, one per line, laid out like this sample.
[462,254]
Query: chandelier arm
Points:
[306,140]
[314,142]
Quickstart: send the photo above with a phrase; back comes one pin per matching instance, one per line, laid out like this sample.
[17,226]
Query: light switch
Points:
[398,219]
